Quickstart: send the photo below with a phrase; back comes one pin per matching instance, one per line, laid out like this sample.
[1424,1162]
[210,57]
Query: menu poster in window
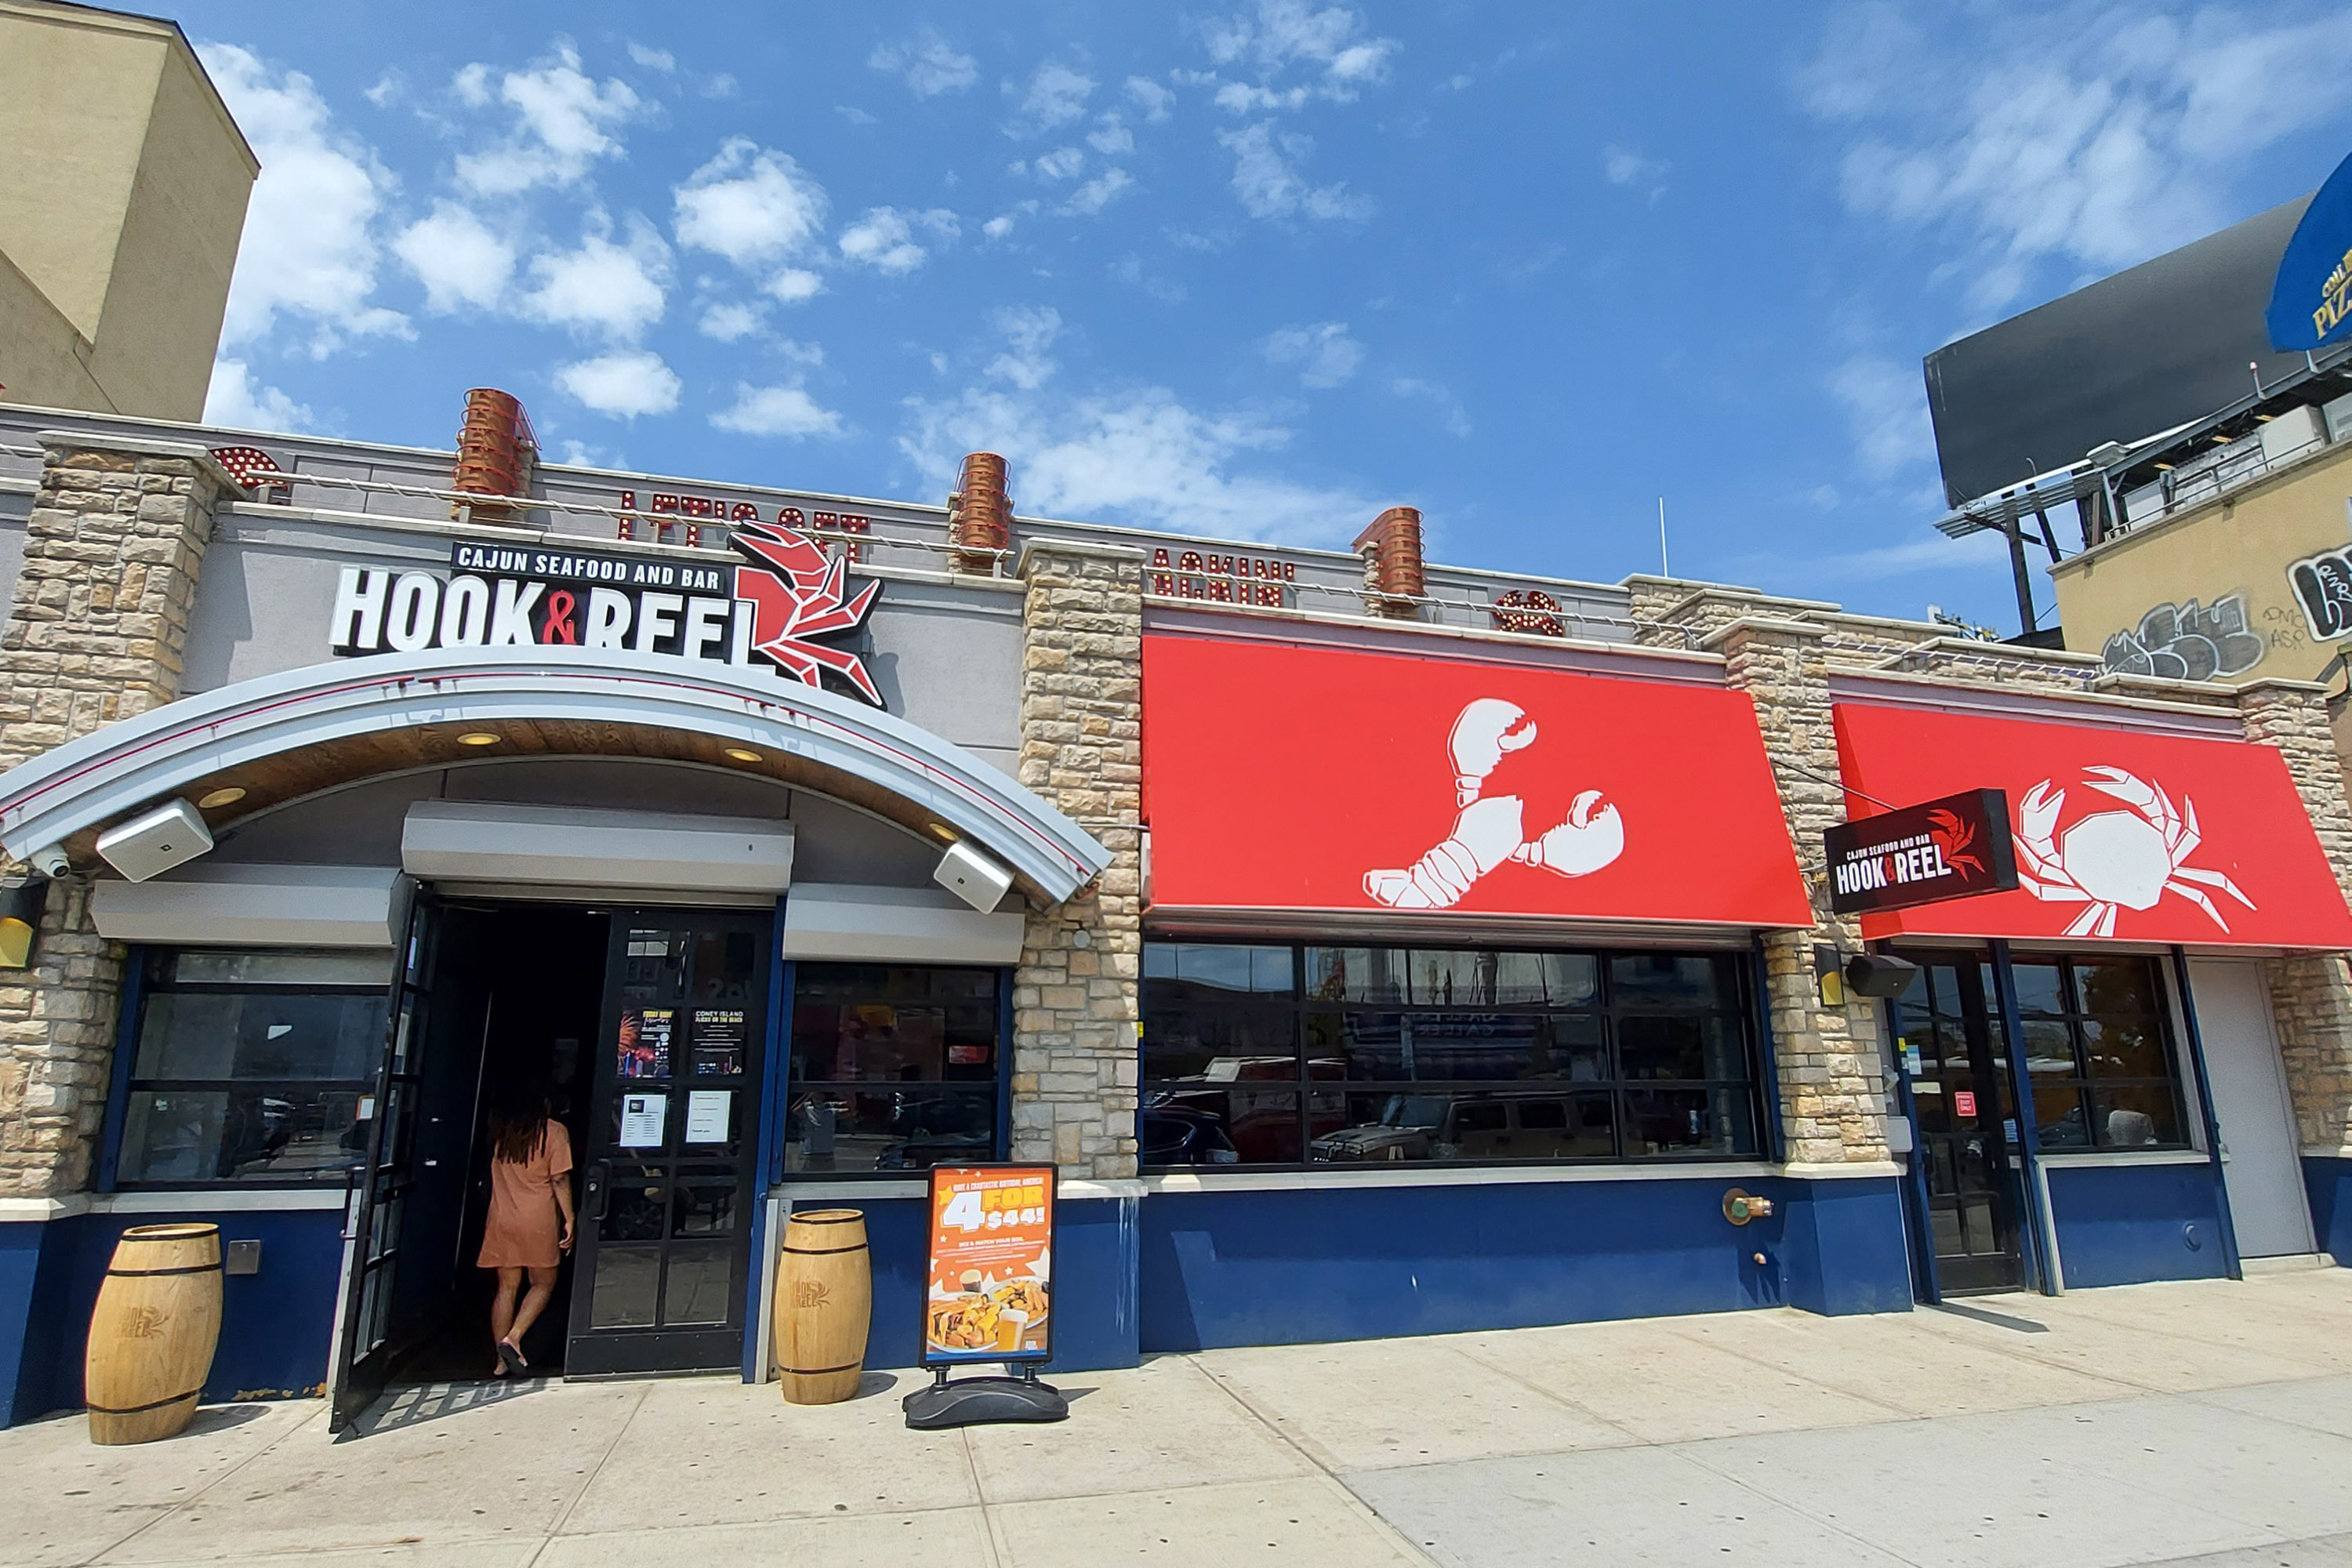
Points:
[989,1281]
[644,1041]
[718,1040]
[645,1119]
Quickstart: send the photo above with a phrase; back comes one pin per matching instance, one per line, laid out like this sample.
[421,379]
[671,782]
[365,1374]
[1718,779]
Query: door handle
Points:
[599,1182]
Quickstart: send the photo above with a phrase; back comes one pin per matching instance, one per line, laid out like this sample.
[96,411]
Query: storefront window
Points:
[2099,1048]
[1338,1056]
[893,1068]
[252,1066]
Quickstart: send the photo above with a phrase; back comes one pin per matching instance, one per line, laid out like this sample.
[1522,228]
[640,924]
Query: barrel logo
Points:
[144,1322]
[811,1292]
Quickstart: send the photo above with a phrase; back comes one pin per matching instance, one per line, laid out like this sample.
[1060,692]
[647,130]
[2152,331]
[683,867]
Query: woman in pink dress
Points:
[530,1226]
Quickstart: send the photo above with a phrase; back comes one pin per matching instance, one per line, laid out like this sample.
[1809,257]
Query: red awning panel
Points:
[1286,778]
[2128,835]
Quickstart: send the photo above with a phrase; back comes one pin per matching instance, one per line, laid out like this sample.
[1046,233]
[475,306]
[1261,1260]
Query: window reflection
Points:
[1432,1055]
[894,1067]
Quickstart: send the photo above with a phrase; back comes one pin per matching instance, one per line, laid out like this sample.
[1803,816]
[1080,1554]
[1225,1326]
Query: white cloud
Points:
[460,262]
[236,400]
[730,323]
[1029,333]
[1269,185]
[1098,192]
[1156,101]
[1111,137]
[1139,457]
[1055,95]
[794,284]
[1128,268]
[1946,557]
[651,59]
[309,251]
[1887,403]
[1626,166]
[391,86]
[1323,351]
[563,122]
[750,205]
[884,238]
[622,385]
[1059,164]
[2040,142]
[1329,43]
[1449,407]
[855,115]
[929,63]
[811,355]
[998,226]
[616,289]
[776,411]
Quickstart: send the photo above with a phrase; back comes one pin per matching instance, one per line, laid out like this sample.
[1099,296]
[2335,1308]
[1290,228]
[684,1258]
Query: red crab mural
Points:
[805,596]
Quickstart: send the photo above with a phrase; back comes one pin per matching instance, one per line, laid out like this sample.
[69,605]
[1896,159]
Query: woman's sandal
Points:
[510,1362]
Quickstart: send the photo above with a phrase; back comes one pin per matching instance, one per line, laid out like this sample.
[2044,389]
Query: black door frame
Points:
[364,1351]
[613,1351]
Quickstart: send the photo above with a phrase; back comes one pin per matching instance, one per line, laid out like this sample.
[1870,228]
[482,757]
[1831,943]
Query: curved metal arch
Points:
[104,776]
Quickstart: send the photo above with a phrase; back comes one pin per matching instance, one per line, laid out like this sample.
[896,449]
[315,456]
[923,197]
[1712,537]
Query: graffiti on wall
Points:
[2188,642]
[2323,586]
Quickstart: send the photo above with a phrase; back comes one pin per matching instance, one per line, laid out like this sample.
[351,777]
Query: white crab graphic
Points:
[1490,828]
[2109,858]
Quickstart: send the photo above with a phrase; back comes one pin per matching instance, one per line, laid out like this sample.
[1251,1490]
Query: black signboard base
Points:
[984,1401]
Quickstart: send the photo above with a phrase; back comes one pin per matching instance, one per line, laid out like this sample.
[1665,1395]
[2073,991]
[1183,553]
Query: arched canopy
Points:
[280,737]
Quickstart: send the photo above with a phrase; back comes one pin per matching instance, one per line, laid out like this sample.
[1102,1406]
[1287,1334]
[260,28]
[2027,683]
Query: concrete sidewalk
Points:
[2208,1422]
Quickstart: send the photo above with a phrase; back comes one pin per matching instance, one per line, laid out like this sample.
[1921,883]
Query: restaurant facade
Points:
[1375,947]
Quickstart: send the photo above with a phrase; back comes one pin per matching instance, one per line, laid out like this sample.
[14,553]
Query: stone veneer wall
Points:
[95,632]
[1075,999]
[1834,1075]
[2311,994]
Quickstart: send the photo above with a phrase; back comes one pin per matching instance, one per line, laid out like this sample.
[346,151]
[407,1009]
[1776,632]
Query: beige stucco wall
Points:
[2240,544]
[123,195]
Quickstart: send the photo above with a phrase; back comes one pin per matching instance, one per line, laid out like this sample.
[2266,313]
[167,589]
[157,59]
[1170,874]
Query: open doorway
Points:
[519,990]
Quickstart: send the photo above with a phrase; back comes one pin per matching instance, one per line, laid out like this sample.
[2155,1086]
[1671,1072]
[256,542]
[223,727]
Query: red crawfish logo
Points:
[805,595]
[1951,838]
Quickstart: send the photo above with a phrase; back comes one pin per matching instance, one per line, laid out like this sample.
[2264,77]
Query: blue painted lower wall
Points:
[1287,1266]
[2126,1224]
[2328,1179]
[274,1324]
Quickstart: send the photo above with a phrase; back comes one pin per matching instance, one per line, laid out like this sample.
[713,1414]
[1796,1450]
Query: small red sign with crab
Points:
[1954,848]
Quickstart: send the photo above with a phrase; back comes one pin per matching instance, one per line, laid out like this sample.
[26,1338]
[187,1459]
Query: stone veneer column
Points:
[1075,997]
[2311,994]
[95,632]
[1832,1062]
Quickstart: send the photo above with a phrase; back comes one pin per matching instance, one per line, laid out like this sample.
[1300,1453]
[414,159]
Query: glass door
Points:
[1953,1054]
[379,1203]
[667,1202]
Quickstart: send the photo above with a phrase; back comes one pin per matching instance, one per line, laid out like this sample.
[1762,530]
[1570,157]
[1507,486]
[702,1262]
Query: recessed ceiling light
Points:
[477,738]
[745,755]
[943,833]
[2164,467]
[214,799]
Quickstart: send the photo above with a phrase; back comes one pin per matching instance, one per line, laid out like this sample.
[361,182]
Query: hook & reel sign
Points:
[1955,847]
[775,605]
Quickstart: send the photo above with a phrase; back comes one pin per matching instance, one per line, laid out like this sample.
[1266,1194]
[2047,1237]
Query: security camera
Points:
[50,861]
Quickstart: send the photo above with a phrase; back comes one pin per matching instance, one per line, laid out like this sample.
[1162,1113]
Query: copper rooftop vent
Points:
[979,514]
[496,450]
[1394,581]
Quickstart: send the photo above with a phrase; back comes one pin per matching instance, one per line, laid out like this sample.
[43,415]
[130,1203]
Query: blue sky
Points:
[1255,270]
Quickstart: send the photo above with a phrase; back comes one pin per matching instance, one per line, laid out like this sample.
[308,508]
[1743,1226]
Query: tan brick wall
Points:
[1832,1061]
[2311,996]
[1075,997]
[94,633]
[100,618]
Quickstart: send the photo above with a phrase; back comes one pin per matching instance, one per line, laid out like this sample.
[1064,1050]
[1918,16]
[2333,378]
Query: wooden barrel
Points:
[153,1334]
[825,1301]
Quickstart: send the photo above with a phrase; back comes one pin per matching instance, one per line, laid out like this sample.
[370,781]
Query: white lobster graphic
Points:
[2109,858]
[1489,829]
